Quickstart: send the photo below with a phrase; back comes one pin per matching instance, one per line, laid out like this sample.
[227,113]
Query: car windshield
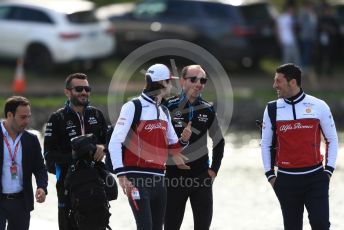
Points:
[82,17]
[256,13]
[149,9]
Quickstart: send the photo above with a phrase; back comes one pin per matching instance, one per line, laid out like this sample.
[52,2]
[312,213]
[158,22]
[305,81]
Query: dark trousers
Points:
[179,190]
[149,210]
[295,192]
[15,214]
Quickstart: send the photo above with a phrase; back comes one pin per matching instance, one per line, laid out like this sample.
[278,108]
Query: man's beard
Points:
[76,102]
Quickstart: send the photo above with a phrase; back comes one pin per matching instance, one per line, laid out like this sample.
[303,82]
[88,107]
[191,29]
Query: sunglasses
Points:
[195,79]
[79,89]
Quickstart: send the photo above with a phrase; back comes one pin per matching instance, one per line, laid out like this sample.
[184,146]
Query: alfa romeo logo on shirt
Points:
[128,79]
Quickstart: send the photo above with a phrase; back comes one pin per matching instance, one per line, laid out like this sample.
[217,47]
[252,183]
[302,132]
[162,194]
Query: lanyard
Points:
[82,123]
[13,156]
[191,111]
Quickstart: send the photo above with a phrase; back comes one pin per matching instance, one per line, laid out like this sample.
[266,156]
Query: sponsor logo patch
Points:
[177,114]
[285,128]
[70,125]
[92,121]
[203,118]
[151,127]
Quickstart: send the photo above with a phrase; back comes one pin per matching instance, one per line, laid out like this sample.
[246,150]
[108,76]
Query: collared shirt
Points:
[147,151]
[300,122]
[10,185]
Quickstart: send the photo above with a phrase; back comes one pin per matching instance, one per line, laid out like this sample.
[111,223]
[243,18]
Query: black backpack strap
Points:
[272,111]
[137,114]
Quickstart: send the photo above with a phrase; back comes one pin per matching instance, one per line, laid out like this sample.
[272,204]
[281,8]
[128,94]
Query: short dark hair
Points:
[290,71]
[69,79]
[152,88]
[13,102]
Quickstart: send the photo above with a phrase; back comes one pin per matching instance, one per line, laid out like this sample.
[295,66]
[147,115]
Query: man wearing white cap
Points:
[140,163]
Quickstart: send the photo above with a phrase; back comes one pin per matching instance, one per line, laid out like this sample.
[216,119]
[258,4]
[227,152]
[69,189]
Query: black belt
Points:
[11,196]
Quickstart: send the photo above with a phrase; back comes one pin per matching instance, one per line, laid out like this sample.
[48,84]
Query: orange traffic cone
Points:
[19,84]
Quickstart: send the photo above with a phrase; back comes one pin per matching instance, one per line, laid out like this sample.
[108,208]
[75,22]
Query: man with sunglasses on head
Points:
[75,119]
[196,183]
[139,153]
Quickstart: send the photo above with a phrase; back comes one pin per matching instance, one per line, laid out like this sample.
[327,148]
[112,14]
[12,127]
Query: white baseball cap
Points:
[159,72]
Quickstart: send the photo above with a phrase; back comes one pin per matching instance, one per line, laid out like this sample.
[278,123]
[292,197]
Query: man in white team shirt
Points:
[303,173]
[286,34]
[139,155]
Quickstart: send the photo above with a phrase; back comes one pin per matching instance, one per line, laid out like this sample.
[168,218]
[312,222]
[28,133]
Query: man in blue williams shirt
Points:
[20,157]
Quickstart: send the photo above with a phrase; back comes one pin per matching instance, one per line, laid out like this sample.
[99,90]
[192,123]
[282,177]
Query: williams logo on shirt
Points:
[92,121]
[203,118]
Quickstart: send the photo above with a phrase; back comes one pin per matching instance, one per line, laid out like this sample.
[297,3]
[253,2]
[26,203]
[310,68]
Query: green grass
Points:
[269,65]
[57,101]
[47,102]
[270,94]
[106,70]
[108,67]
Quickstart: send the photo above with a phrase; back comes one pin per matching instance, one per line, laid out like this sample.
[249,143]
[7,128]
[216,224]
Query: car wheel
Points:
[38,59]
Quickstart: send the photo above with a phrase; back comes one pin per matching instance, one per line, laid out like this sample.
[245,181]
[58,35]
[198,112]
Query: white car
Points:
[50,32]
